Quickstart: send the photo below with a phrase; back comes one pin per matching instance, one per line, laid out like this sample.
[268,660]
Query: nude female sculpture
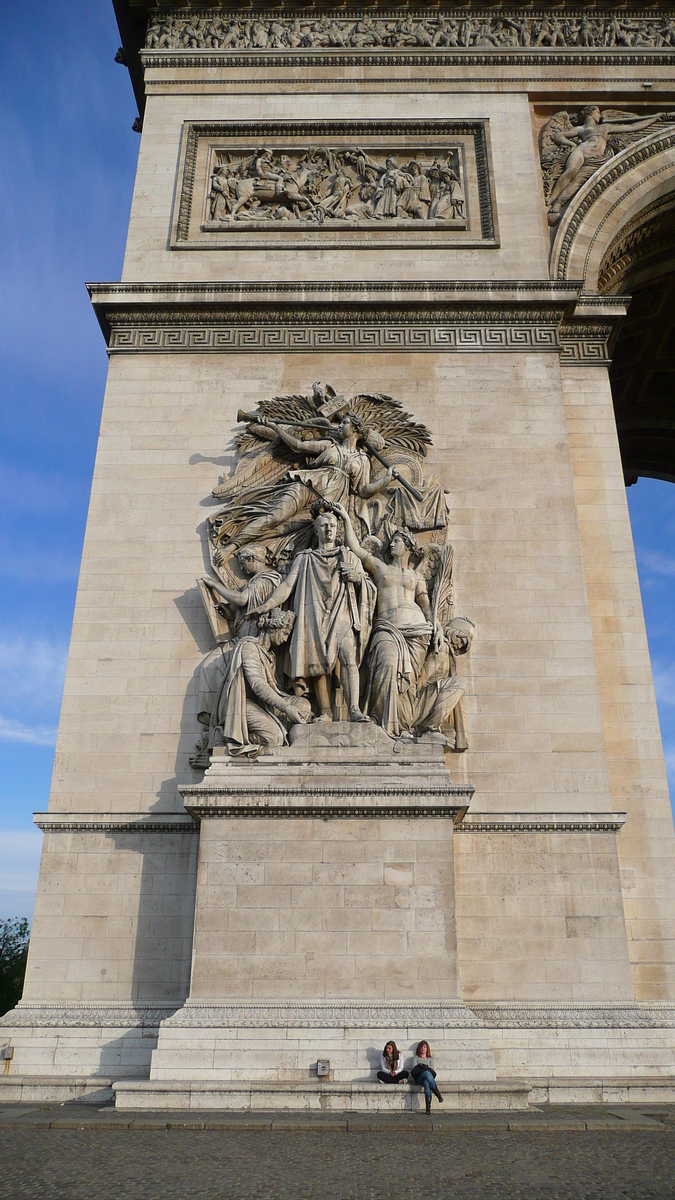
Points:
[410,690]
[592,148]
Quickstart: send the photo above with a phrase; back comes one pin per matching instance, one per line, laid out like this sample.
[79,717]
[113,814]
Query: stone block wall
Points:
[113,918]
[303,908]
[539,917]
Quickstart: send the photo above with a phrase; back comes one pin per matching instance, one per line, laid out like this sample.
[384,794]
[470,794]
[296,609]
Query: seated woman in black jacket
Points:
[390,1060]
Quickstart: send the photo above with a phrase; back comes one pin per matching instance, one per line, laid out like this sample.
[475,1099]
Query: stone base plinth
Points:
[77,1043]
[339,769]
[45,1089]
[616,1090]
[252,1043]
[325,877]
[312,1096]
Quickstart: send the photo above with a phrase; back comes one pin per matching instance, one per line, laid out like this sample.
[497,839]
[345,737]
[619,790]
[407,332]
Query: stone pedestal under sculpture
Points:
[324,924]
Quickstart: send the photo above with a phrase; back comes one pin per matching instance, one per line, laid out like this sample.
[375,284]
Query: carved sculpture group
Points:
[450,31]
[326,185]
[332,544]
[571,151]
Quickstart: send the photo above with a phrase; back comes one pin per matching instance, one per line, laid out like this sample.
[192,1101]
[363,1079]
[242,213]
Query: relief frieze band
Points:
[445,33]
[330,186]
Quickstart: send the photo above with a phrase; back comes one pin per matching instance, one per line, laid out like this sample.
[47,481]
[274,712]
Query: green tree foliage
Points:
[14,935]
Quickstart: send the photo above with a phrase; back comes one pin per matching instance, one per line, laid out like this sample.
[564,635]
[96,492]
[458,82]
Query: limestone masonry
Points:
[359,738]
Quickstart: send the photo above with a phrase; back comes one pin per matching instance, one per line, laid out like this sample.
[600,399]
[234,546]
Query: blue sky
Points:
[67,111]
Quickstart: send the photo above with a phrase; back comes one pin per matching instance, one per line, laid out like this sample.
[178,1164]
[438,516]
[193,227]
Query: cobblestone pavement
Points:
[73,1152]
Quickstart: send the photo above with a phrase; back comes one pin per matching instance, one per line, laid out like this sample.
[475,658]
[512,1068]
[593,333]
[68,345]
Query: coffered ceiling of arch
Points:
[642,251]
[642,375]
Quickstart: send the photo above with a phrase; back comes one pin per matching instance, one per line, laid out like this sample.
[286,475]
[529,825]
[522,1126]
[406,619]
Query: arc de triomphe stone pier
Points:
[359,738]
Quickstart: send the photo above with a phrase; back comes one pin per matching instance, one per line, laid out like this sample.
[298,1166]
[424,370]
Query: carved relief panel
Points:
[385,183]
[330,594]
[573,146]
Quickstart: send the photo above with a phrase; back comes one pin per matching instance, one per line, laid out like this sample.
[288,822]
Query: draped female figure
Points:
[403,695]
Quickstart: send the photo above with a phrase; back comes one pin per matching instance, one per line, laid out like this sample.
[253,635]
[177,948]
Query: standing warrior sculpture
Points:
[332,623]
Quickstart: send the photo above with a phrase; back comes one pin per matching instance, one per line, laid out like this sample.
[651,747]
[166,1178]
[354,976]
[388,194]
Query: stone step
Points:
[500,1095]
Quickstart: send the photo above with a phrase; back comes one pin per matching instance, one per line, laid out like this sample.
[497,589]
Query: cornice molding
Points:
[519,822]
[468,316]
[279,802]
[628,1015]
[260,800]
[93,1015]
[382,291]
[213,59]
[323,1014]
[115,823]
[360,1014]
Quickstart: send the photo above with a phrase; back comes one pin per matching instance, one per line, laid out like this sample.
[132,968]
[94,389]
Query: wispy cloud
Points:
[657,563]
[21,850]
[14,731]
[664,682]
[31,685]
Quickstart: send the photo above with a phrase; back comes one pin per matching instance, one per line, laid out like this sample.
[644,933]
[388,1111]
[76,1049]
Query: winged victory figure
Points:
[571,153]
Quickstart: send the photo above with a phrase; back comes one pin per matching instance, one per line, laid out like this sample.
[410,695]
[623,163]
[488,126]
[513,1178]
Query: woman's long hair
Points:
[424,1042]
[391,1059]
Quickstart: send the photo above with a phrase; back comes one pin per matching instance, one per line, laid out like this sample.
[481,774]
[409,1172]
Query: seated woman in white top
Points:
[390,1060]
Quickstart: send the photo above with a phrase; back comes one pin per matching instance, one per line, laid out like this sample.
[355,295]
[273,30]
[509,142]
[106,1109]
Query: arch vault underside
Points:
[618,237]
